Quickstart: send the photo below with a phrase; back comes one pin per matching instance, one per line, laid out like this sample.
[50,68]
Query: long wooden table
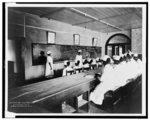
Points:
[49,95]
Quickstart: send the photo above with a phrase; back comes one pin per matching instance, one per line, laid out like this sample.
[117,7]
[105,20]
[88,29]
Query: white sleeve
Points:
[49,60]
[64,72]
[82,58]
[76,59]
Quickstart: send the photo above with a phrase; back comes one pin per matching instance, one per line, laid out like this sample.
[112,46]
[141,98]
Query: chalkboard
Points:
[61,52]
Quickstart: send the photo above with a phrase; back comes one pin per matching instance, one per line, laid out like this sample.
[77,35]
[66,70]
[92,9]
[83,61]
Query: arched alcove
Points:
[117,44]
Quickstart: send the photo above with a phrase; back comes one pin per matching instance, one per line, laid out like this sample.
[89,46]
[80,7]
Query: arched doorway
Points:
[117,44]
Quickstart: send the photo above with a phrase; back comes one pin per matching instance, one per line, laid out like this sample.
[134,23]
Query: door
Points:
[117,44]
[16,68]
[116,49]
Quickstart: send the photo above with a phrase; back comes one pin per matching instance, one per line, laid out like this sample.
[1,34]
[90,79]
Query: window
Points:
[76,38]
[51,36]
[94,41]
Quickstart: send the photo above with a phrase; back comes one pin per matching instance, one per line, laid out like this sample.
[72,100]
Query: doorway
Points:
[117,44]
[16,69]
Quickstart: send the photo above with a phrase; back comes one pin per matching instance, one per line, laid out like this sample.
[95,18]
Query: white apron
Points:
[79,58]
[49,71]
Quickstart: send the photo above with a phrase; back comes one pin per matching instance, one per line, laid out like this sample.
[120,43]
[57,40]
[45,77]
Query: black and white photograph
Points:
[75,60]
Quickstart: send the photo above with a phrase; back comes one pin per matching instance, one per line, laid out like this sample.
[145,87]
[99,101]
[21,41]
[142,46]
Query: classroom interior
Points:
[96,31]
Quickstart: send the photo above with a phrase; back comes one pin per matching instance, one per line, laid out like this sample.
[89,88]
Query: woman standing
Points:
[49,66]
[79,58]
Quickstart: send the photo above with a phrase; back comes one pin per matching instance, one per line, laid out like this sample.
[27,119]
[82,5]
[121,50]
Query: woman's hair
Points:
[68,63]
[85,62]
[121,59]
[77,63]
[128,56]
[90,61]
[108,60]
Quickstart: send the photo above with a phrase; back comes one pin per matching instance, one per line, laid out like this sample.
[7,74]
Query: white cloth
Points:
[105,57]
[108,69]
[77,67]
[79,50]
[49,52]
[97,59]
[120,73]
[97,95]
[65,62]
[49,69]
[94,62]
[79,58]
[116,77]
[140,66]
[86,65]
[132,69]
[116,57]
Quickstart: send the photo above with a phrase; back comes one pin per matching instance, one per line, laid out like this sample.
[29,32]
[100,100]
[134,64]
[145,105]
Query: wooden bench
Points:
[111,98]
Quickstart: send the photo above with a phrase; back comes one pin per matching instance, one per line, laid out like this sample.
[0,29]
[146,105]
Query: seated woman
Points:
[106,84]
[86,65]
[93,64]
[116,59]
[134,69]
[120,70]
[99,62]
[77,67]
[68,70]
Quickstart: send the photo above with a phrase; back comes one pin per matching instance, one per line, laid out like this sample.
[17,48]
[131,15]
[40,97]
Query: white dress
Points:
[97,95]
[49,70]
[86,65]
[132,69]
[79,58]
[120,73]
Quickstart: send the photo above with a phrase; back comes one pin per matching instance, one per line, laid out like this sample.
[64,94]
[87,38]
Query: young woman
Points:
[49,66]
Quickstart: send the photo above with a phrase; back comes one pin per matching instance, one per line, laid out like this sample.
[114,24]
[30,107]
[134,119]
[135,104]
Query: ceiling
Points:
[99,19]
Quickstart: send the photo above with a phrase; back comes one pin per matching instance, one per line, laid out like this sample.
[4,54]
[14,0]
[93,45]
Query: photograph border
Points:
[74,116]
